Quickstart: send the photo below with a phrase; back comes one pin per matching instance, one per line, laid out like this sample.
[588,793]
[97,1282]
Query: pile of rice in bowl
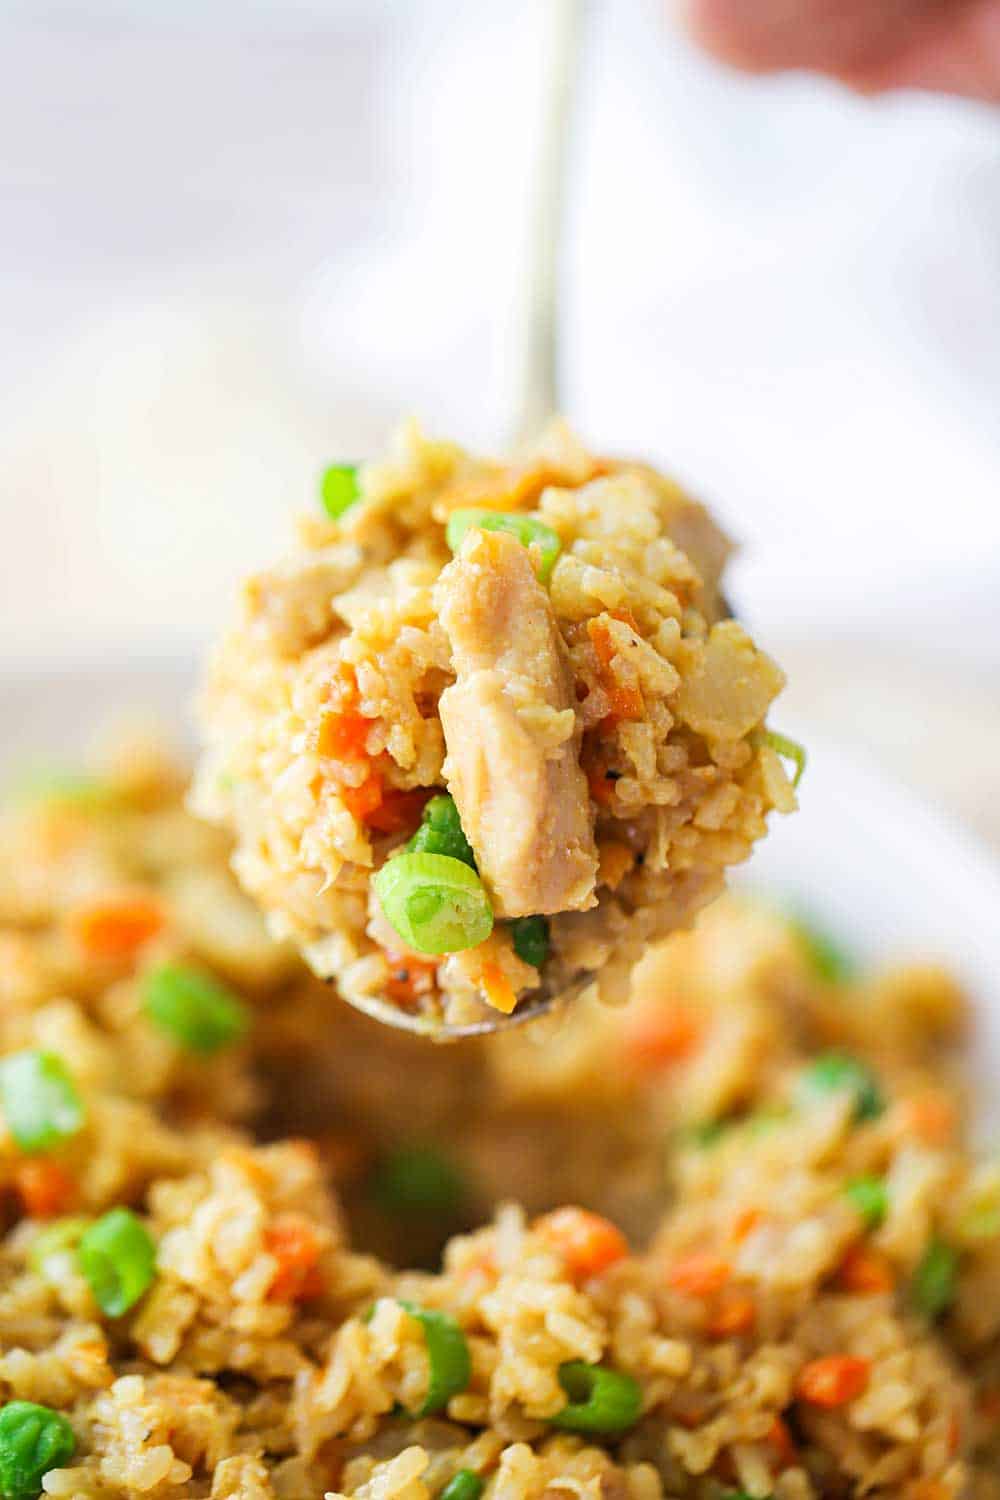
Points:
[488,730]
[780,1276]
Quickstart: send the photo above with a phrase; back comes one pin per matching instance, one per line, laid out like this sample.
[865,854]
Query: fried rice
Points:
[751,1252]
[598,721]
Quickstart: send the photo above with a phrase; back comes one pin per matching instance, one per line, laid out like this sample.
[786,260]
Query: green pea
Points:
[531,939]
[193,1008]
[33,1440]
[417,1179]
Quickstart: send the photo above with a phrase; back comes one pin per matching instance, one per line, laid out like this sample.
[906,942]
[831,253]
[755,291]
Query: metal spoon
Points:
[537,402]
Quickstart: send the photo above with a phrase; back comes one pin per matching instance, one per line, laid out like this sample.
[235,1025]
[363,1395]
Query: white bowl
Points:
[889,874]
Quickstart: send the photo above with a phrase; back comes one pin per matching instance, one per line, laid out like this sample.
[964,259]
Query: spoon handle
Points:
[538,384]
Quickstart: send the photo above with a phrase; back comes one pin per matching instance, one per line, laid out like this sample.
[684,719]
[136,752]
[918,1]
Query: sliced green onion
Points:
[870,1197]
[788,750]
[339,489]
[56,1239]
[39,1100]
[826,957]
[599,1400]
[33,1440]
[466,1485]
[417,1179]
[542,542]
[192,1008]
[531,939]
[837,1072]
[935,1280]
[118,1258]
[448,1354]
[441,832]
[435,903]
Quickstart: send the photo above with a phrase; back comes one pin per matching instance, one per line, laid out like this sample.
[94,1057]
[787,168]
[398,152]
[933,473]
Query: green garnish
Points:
[870,1197]
[339,489]
[56,1239]
[599,1400]
[531,939]
[837,1072]
[441,832]
[788,750]
[118,1258]
[435,902]
[65,788]
[466,1485]
[192,1008]
[39,1100]
[542,542]
[417,1179]
[702,1133]
[33,1440]
[935,1280]
[827,959]
[448,1354]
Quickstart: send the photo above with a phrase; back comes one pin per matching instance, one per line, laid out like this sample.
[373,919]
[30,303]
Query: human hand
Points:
[950,46]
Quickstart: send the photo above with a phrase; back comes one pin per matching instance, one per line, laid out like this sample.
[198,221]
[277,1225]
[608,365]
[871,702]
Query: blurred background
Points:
[239,241]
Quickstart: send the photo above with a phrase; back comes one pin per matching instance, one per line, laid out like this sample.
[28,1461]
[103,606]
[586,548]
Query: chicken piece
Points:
[512,734]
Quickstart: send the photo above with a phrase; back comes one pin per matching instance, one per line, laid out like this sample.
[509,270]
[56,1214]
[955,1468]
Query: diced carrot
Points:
[515,487]
[342,735]
[410,978]
[735,1314]
[497,988]
[45,1188]
[833,1380]
[587,1243]
[865,1271]
[601,783]
[654,1039]
[746,1221]
[614,861]
[782,1442]
[625,697]
[399,811]
[626,616]
[931,1116]
[295,1245]
[116,926]
[702,1273]
[364,800]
